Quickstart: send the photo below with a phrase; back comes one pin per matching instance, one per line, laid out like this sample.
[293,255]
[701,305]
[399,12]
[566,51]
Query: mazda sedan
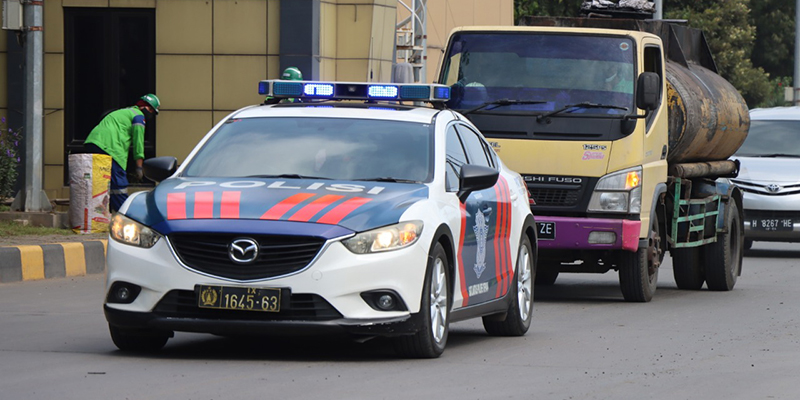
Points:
[367,217]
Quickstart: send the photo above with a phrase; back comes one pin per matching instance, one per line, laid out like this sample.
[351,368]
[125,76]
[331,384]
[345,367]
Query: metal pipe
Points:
[796,80]
[659,13]
[35,199]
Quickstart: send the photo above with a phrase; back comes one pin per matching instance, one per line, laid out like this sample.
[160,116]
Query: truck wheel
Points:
[687,268]
[638,271]
[723,258]
[138,340]
[434,310]
[517,319]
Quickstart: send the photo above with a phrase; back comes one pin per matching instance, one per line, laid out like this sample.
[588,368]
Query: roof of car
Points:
[779,113]
[341,110]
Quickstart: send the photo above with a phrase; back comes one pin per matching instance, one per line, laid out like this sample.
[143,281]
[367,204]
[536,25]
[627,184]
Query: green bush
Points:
[9,158]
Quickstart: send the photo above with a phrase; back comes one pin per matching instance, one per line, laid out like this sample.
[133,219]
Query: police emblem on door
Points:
[481,230]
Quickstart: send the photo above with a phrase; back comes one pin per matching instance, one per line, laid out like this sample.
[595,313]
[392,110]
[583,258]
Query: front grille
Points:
[554,197]
[277,255]
[300,307]
[767,189]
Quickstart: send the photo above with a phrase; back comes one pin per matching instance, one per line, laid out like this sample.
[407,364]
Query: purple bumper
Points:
[573,233]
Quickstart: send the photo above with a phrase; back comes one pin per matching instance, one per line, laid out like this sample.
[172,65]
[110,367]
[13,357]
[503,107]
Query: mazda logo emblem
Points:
[773,188]
[243,250]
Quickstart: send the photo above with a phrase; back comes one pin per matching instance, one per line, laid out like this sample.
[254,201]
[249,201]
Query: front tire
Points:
[520,312]
[724,257]
[638,272]
[434,311]
[139,341]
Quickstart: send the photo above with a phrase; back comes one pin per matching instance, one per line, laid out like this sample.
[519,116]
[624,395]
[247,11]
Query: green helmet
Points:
[292,74]
[152,100]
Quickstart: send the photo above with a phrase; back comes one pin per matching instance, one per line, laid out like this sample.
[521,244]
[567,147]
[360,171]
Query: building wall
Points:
[211,53]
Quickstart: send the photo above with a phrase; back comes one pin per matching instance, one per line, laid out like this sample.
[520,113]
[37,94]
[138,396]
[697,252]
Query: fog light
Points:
[385,302]
[123,293]
[598,237]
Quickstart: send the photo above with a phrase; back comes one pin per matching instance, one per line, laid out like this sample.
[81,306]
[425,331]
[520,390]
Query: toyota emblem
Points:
[243,250]
[773,188]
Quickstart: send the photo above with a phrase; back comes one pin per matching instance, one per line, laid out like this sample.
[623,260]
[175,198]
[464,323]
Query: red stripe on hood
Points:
[277,211]
[229,207]
[342,210]
[176,206]
[306,213]
[204,205]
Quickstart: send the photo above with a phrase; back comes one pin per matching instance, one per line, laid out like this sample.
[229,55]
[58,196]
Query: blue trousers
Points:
[119,179]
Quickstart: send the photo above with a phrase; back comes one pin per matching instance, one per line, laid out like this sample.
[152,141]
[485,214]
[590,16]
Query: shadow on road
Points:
[762,253]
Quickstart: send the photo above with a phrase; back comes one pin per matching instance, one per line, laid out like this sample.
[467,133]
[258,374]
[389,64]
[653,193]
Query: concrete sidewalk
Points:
[56,260]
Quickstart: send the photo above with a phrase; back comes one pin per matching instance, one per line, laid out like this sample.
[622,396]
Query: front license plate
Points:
[772,224]
[239,298]
[546,230]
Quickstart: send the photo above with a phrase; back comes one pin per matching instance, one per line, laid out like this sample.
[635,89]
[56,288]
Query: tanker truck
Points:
[622,130]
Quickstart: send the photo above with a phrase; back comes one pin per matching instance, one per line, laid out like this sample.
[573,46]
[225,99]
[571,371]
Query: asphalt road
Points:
[585,343]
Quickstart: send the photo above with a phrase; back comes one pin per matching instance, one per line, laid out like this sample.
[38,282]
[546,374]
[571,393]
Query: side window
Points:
[454,153]
[475,146]
[652,63]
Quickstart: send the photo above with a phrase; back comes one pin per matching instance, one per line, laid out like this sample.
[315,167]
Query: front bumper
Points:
[573,233]
[333,282]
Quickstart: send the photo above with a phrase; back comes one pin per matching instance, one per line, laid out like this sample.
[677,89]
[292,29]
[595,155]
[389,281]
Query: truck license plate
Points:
[239,298]
[546,230]
[772,224]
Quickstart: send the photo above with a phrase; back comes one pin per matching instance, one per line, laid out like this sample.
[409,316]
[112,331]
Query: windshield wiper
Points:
[501,102]
[387,179]
[579,105]
[290,176]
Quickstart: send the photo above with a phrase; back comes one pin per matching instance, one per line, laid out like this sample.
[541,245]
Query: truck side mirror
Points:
[159,168]
[648,91]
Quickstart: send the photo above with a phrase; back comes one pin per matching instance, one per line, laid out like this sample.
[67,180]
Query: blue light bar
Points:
[287,88]
[318,89]
[263,87]
[276,89]
[441,93]
[382,91]
[415,92]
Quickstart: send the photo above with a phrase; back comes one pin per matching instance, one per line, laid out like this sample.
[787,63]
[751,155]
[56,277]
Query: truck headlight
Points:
[128,231]
[620,192]
[388,238]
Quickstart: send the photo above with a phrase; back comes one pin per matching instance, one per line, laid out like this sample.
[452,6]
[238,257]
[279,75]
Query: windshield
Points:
[767,138]
[556,69]
[334,148]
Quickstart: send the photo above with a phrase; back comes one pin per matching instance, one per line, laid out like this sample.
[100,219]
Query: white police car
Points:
[369,218]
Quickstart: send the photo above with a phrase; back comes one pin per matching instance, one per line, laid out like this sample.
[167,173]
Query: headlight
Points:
[128,231]
[385,239]
[620,192]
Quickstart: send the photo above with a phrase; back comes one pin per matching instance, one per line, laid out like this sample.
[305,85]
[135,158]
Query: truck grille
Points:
[305,307]
[554,197]
[277,255]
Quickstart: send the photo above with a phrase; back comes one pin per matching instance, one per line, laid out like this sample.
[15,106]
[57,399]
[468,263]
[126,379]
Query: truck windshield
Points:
[554,69]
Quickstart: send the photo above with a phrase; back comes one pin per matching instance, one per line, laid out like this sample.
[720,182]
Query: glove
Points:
[139,174]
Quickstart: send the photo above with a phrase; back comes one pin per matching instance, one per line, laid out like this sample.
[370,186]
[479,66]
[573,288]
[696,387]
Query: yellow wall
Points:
[211,53]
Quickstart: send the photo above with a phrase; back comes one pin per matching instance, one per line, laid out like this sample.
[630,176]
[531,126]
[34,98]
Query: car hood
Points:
[768,169]
[317,207]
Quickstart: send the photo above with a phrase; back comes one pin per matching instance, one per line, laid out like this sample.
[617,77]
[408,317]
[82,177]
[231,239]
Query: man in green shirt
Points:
[115,134]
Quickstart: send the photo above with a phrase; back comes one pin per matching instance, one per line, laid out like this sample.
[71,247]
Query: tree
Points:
[774,45]
[731,36]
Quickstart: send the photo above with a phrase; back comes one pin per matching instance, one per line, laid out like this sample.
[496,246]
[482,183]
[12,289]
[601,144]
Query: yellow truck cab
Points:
[621,130]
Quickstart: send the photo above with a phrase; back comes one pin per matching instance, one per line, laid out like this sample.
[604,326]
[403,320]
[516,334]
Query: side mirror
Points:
[648,91]
[475,177]
[159,168]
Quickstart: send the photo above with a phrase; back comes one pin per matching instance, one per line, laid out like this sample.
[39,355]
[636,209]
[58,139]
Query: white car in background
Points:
[769,175]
